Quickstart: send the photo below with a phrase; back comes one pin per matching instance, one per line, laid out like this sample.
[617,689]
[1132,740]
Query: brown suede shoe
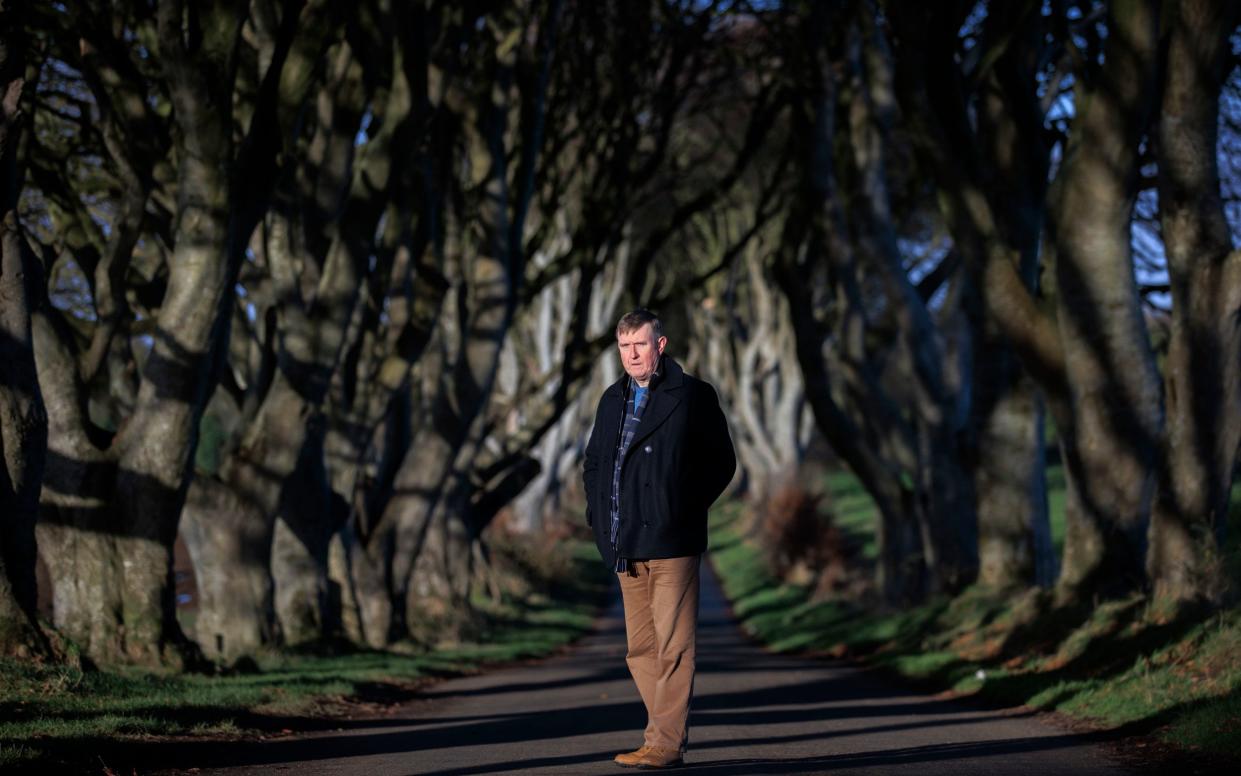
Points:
[660,758]
[631,759]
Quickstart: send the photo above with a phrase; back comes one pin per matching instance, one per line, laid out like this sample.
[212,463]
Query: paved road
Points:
[754,713]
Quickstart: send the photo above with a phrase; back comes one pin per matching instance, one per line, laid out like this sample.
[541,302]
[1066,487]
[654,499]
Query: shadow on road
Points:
[842,762]
[579,709]
[539,732]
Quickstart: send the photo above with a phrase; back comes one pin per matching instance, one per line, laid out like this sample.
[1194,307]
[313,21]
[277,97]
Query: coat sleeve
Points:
[718,446]
[590,467]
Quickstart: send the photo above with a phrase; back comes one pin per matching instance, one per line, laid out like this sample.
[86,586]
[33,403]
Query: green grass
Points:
[1124,664]
[47,711]
[853,509]
[1055,506]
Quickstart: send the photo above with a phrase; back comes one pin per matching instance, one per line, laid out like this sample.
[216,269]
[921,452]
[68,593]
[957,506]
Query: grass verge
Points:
[1123,665]
[61,718]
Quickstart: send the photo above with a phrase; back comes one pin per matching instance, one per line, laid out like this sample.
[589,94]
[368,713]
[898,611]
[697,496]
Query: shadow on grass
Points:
[51,721]
[1117,663]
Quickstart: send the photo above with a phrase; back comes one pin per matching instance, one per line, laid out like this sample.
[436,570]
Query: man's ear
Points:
[663,343]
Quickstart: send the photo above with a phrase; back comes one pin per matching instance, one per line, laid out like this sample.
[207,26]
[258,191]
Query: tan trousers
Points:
[661,621]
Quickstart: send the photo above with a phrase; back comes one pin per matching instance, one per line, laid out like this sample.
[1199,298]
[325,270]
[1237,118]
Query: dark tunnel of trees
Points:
[323,288]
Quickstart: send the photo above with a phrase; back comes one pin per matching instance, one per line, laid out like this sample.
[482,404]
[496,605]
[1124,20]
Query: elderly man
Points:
[658,456]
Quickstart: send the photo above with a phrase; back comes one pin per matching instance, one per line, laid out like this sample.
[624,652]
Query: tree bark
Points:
[431,494]
[273,465]
[23,418]
[230,546]
[78,519]
[812,240]
[1010,487]
[1203,375]
[1113,383]
[121,498]
[944,512]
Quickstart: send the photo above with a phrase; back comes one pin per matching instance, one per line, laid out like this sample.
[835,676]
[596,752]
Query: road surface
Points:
[753,713]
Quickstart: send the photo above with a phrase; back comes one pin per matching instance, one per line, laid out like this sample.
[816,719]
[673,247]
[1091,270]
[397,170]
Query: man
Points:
[658,456]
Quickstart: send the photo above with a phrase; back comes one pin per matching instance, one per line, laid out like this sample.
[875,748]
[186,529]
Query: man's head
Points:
[640,337]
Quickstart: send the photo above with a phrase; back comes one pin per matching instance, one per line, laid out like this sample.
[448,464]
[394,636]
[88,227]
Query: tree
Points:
[1202,378]
[259,526]
[879,367]
[1081,332]
[23,420]
[113,496]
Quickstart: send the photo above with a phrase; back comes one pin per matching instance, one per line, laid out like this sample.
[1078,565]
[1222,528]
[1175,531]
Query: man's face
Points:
[639,352]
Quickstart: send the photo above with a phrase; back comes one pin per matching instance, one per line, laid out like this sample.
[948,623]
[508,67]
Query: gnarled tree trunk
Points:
[1114,388]
[1203,374]
[23,419]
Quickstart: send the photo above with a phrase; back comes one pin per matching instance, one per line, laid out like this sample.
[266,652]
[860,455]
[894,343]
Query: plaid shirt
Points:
[635,402]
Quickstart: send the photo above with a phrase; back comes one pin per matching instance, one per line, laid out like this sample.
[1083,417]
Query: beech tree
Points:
[23,421]
[190,164]
[324,288]
[877,358]
[615,144]
[260,525]
[1202,380]
[1080,332]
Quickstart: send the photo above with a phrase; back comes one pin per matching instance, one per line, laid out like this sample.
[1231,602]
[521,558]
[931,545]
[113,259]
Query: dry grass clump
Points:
[802,542]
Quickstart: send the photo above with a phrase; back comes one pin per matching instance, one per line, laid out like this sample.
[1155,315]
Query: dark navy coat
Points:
[678,464]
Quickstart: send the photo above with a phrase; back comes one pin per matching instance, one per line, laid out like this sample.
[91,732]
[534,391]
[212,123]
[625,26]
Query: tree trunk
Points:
[23,418]
[117,509]
[1113,383]
[422,510]
[437,601]
[751,357]
[230,545]
[153,450]
[78,519]
[900,573]
[369,437]
[272,476]
[1203,375]
[1092,360]
[300,546]
[945,514]
[1009,484]
[365,603]
[23,446]
[1008,417]
[814,239]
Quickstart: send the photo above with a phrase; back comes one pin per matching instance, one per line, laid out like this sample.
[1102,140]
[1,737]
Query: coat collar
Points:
[665,395]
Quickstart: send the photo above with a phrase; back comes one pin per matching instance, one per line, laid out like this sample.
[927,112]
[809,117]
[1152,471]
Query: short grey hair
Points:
[636,319]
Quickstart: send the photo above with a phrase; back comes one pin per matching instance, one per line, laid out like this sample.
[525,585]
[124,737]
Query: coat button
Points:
[648,448]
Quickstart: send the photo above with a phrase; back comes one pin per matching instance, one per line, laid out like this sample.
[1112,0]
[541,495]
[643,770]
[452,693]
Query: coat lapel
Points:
[661,406]
[664,399]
